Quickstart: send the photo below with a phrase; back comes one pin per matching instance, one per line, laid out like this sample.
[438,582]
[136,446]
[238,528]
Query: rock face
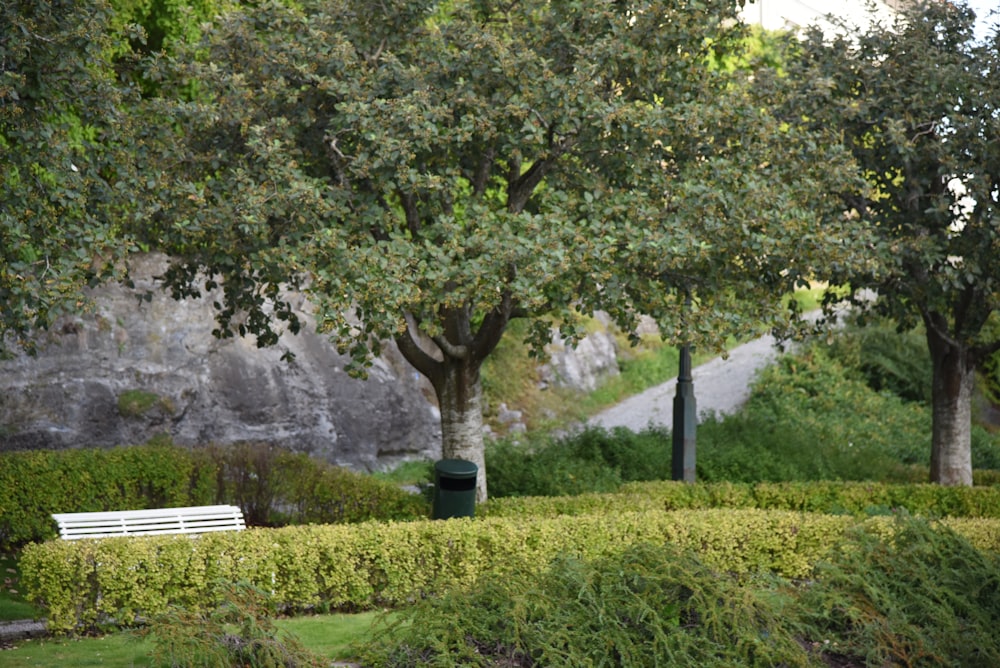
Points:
[132,371]
[128,372]
[584,367]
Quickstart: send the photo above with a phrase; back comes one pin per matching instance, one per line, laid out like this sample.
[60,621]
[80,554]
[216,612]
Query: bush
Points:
[591,460]
[887,359]
[35,484]
[272,486]
[807,419]
[240,632]
[543,467]
[651,605]
[900,592]
[275,487]
[361,566]
[924,597]
[854,498]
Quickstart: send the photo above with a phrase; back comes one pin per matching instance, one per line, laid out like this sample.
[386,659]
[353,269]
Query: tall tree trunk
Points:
[460,398]
[951,404]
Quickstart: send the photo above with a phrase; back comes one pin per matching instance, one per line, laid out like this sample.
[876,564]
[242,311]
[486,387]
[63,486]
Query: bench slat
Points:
[149,522]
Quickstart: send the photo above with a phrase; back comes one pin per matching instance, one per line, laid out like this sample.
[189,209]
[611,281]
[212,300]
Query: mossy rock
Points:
[133,403]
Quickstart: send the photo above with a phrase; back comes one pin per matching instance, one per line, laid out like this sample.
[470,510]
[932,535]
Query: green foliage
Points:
[917,102]
[430,171]
[541,467]
[240,632]
[808,418]
[889,360]
[272,486]
[70,169]
[860,499]
[652,605]
[35,484]
[924,597]
[133,403]
[85,583]
[593,460]
[893,593]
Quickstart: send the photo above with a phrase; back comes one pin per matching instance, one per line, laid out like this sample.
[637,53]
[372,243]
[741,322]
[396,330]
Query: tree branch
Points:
[482,177]
[493,327]
[409,346]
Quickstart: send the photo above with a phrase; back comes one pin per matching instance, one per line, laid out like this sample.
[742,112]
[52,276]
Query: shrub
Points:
[591,460]
[807,419]
[240,632]
[35,484]
[650,605]
[924,596]
[367,565]
[543,467]
[271,485]
[897,592]
[887,359]
[854,498]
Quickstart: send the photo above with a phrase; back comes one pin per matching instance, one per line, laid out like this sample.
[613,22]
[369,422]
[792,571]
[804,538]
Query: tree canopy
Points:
[68,163]
[428,171]
[918,105]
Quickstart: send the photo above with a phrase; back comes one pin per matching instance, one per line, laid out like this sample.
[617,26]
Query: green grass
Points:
[407,473]
[12,603]
[331,636]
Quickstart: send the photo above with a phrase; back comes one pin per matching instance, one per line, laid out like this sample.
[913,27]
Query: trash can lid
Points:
[456,468]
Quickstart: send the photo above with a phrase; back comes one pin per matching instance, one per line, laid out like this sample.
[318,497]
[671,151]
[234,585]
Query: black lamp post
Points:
[685,419]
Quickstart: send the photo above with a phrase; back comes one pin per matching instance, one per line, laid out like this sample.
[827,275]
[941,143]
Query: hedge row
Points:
[361,566]
[272,486]
[853,498]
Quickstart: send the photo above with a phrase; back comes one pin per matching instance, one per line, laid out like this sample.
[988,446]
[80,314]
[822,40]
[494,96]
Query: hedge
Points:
[274,487]
[34,484]
[86,583]
[854,498]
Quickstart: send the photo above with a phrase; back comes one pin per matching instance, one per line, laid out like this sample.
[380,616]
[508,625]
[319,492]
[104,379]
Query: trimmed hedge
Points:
[853,498]
[274,487]
[361,566]
[34,484]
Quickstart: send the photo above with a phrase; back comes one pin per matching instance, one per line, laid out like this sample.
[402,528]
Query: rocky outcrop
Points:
[130,371]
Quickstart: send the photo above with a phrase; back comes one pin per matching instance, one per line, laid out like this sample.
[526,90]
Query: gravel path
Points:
[720,386]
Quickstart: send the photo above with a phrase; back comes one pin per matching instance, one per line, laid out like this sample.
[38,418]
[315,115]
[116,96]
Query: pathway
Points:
[720,386]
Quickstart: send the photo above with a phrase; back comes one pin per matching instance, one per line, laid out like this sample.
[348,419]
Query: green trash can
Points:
[454,489]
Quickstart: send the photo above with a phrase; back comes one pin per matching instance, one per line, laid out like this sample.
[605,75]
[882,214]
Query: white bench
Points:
[152,522]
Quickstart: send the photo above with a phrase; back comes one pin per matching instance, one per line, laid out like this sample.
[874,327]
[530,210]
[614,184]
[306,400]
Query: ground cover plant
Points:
[912,596]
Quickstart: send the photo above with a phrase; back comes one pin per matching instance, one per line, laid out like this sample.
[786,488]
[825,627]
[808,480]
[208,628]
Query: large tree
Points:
[918,104]
[66,159]
[428,171]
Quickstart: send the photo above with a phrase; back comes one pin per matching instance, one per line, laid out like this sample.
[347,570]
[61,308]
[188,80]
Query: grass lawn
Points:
[327,635]
[12,603]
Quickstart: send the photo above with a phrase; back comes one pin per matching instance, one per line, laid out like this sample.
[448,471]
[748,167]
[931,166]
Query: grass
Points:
[332,636]
[12,603]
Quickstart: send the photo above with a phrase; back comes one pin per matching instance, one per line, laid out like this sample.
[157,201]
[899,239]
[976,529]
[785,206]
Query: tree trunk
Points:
[460,398]
[951,404]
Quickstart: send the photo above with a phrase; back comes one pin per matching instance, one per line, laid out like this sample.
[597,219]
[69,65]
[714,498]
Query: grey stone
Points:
[128,371]
[584,367]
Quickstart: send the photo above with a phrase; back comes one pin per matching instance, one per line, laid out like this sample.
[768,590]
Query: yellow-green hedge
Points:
[387,564]
[858,498]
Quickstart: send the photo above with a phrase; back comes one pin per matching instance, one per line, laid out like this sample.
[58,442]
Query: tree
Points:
[428,171]
[918,104]
[67,163]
